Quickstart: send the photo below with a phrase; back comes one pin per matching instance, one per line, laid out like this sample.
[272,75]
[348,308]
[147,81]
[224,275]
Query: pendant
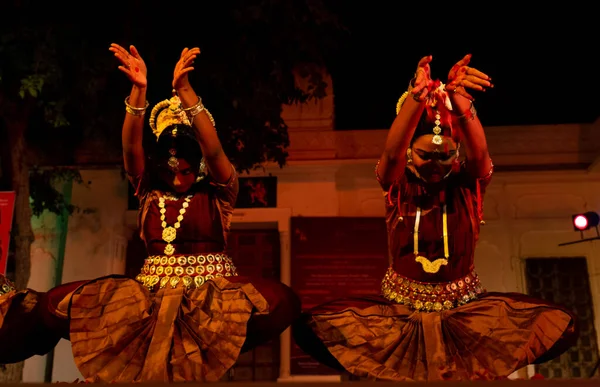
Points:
[169,249]
[431,267]
[169,234]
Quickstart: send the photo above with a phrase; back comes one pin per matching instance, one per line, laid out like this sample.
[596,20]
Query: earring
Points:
[409,156]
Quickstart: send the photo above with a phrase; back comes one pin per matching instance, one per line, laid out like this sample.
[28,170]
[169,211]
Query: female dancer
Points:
[188,315]
[434,320]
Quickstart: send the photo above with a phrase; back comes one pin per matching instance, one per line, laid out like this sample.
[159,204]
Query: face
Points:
[433,162]
[180,179]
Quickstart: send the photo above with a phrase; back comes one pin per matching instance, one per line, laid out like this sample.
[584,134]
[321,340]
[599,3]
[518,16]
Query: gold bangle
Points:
[135,111]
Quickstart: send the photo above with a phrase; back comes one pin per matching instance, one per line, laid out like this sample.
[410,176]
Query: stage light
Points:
[582,222]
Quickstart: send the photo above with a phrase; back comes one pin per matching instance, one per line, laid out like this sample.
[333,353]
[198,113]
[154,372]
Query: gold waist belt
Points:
[430,297]
[5,285]
[189,270]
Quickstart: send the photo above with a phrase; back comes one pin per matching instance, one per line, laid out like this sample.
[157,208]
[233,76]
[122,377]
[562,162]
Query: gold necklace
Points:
[429,266]
[171,197]
[170,232]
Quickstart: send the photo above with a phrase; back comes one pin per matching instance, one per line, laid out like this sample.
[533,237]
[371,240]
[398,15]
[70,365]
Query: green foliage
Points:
[31,85]
[250,52]
[58,74]
[45,189]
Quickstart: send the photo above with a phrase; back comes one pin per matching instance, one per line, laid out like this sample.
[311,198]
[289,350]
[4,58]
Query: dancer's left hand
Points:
[461,77]
[183,67]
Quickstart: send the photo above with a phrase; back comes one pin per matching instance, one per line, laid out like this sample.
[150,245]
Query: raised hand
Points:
[132,64]
[461,77]
[183,67]
[422,80]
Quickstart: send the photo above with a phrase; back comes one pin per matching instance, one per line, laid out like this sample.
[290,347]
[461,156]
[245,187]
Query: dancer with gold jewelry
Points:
[434,320]
[23,332]
[188,315]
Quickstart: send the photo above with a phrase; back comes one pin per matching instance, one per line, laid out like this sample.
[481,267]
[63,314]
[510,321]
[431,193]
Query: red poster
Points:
[7,208]
[332,258]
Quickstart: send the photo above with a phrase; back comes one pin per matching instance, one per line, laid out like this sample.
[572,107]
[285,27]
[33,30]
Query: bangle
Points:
[469,114]
[135,111]
[193,111]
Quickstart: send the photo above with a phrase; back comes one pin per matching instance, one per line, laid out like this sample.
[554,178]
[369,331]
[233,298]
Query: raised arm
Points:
[393,160]
[460,78]
[216,160]
[135,107]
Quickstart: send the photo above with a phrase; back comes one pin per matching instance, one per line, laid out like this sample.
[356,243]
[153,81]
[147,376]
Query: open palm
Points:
[184,66]
[132,64]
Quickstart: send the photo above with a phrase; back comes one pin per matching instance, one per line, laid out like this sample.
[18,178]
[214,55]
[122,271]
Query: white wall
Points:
[95,247]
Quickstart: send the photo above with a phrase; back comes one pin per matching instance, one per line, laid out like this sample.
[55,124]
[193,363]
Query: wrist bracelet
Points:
[469,114]
[135,111]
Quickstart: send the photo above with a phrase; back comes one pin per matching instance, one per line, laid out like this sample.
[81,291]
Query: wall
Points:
[544,174]
[95,246]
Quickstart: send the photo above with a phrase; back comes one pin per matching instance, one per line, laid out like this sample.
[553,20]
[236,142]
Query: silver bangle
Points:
[135,111]
[194,110]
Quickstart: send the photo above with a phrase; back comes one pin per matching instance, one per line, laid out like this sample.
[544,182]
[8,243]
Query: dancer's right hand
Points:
[422,79]
[132,64]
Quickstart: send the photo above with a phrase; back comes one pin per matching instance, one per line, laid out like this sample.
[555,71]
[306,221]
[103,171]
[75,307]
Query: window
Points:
[565,281]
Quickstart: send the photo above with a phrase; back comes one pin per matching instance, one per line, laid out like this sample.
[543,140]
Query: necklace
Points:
[171,197]
[429,266]
[170,232]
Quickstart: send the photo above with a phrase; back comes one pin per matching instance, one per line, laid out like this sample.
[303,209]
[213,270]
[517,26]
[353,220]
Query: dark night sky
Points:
[542,61]
[544,66]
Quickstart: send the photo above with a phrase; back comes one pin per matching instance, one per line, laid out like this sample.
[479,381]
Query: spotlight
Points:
[582,222]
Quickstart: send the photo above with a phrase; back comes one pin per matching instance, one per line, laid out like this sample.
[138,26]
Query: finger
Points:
[125,70]
[418,77]
[427,69]
[117,47]
[451,87]
[185,50]
[464,61]
[479,81]
[472,85]
[185,71]
[119,51]
[454,70]
[477,73]
[419,84]
[195,50]
[189,60]
[425,60]
[180,74]
[418,88]
[134,51]
[121,58]
[123,51]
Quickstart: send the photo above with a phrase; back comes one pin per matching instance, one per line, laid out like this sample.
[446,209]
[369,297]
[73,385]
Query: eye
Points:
[424,155]
[186,172]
